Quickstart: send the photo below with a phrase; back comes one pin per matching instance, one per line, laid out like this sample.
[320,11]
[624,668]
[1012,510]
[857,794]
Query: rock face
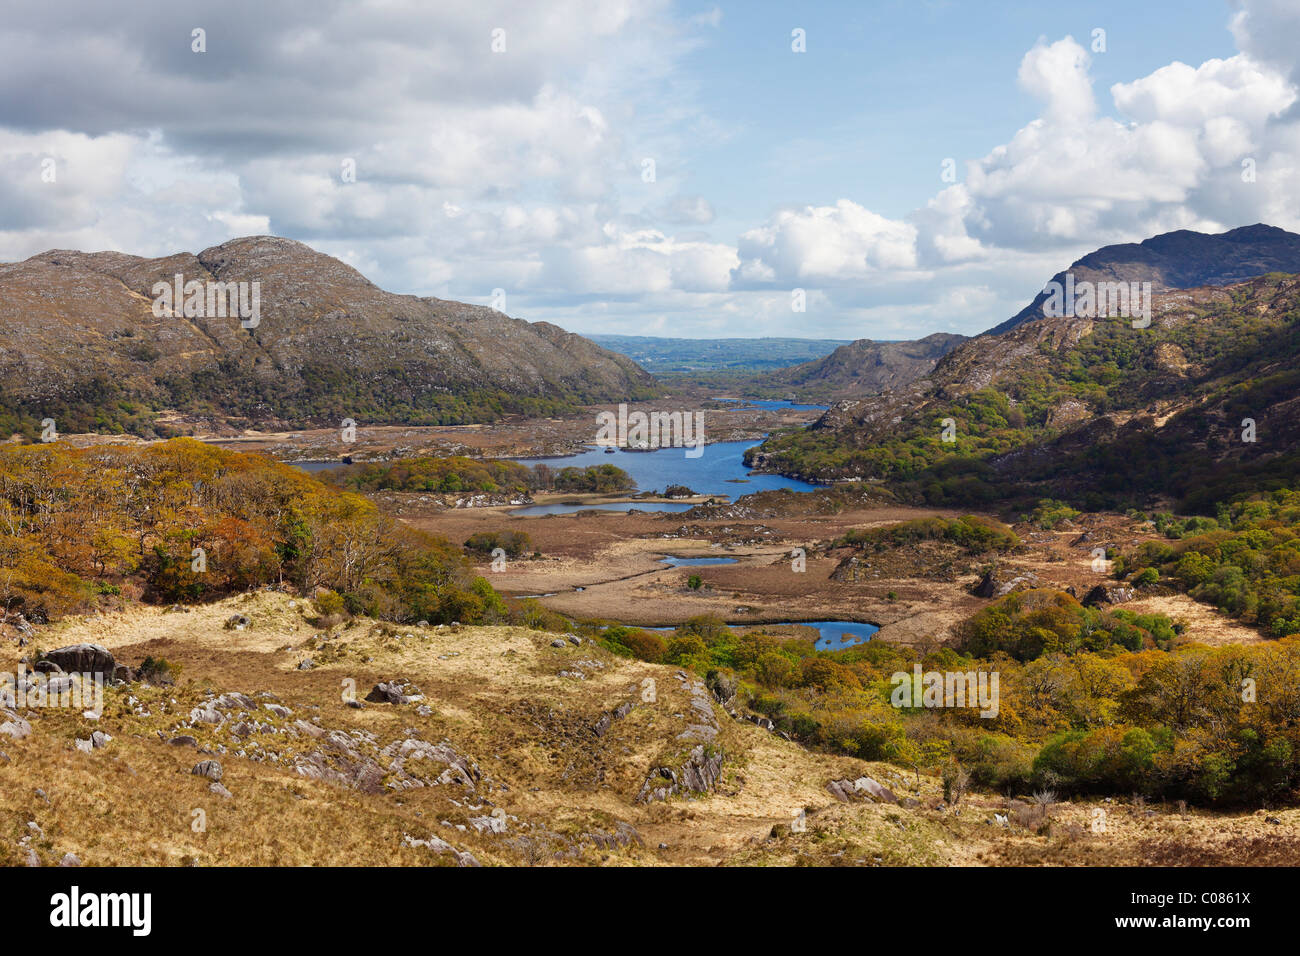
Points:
[606,720]
[74,321]
[439,845]
[698,769]
[83,659]
[355,759]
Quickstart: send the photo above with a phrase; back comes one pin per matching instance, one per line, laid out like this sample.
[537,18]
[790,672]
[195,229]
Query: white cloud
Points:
[1057,73]
[827,243]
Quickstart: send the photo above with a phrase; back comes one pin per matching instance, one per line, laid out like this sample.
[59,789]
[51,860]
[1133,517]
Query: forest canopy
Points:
[181,521]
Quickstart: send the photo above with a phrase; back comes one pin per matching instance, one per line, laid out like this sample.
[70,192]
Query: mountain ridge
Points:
[867,366]
[1182,259]
[328,344]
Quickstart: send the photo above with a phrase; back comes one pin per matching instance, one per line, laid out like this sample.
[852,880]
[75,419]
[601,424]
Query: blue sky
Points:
[521,168]
[889,89]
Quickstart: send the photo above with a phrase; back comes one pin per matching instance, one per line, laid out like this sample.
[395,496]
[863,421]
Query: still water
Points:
[719,471]
[832,635]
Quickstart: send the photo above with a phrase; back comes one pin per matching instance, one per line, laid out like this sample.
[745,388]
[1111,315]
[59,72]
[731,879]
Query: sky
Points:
[648,167]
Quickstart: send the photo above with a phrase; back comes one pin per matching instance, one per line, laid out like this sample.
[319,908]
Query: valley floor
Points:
[607,565]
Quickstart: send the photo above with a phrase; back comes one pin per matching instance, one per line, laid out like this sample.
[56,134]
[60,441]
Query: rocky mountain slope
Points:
[83,345]
[1179,260]
[1072,405]
[865,367]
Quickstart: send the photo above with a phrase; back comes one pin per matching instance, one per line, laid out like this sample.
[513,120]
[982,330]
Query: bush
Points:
[1145,578]
[329,603]
[513,543]
[643,645]
[158,671]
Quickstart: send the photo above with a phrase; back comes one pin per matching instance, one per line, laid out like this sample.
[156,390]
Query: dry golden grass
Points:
[496,695]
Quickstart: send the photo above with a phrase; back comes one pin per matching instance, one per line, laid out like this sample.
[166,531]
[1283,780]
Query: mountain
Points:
[83,346]
[1179,260]
[1091,410]
[661,355]
[865,367]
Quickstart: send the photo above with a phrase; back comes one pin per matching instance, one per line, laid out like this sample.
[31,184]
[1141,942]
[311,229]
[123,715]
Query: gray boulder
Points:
[83,659]
[394,692]
[208,768]
[1101,594]
[11,725]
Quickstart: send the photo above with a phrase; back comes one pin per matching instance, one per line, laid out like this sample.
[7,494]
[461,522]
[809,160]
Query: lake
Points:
[832,635]
[673,561]
[783,403]
[602,506]
[838,635]
[719,471]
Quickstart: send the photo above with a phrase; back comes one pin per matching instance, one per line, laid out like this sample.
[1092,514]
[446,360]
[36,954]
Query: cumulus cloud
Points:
[826,243]
[1057,73]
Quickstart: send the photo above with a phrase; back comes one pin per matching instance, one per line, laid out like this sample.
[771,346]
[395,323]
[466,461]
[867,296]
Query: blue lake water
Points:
[719,471]
[676,562]
[769,404]
[314,466]
[602,506]
[837,635]
[832,635]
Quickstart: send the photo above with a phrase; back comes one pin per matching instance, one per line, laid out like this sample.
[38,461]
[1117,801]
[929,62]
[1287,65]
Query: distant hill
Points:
[82,345]
[1179,260]
[866,367]
[660,355]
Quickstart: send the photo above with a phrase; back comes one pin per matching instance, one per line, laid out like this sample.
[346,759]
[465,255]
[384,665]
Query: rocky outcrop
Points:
[82,659]
[439,845]
[396,691]
[998,582]
[606,720]
[12,725]
[697,774]
[1108,594]
[623,835]
[863,788]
